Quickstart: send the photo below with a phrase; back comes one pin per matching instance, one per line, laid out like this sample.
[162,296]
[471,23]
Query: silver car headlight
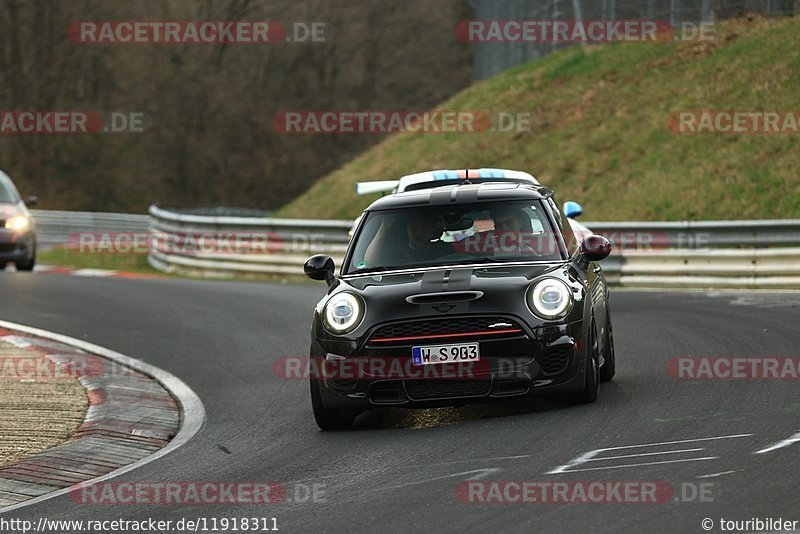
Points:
[18,223]
[550,298]
[342,313]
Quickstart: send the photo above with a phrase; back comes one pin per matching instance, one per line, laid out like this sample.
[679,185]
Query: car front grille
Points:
[450,328]
[441,389]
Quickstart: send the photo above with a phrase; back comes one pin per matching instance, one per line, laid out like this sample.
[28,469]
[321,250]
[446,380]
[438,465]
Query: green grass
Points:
[137,264]
[601,135]
[131,263]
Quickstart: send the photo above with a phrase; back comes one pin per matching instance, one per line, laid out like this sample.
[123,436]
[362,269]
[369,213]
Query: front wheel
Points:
[591,389]
[326,418]
[610,364]
[28,263]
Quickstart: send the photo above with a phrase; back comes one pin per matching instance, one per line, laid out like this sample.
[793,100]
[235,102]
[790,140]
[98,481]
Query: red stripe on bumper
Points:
[439,336]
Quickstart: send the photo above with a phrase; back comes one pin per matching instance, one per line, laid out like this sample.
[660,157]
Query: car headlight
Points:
[343,312]
[18,223]
[550,298]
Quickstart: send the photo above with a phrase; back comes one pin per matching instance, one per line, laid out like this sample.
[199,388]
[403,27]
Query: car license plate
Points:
[433,354]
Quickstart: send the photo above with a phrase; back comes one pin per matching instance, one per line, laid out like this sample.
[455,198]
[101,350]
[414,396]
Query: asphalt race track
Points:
[399,471]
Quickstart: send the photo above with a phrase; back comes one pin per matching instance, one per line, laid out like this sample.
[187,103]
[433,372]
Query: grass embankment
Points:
[600,132]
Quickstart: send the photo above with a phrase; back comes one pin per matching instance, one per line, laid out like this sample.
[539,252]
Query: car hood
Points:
[496,289]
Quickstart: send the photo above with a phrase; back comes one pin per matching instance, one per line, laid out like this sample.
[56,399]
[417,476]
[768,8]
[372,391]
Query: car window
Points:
[7,194]
[447,235]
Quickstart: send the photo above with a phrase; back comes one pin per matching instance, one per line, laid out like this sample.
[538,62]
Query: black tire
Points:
[609,368]
[2,266]
[28,264]
[591,389]
[328,419]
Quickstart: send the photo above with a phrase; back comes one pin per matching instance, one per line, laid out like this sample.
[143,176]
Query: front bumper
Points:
[542,360]
[14,247]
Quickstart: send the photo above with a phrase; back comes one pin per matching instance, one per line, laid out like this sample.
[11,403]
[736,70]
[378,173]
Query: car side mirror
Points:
[594,248]
[31,201]
[320,267]
[572,209]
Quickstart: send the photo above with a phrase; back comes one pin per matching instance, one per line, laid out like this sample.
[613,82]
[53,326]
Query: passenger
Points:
[510,220]
[513,232]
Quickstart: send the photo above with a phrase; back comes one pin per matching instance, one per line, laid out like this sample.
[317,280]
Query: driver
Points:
[421,231]
[408,241]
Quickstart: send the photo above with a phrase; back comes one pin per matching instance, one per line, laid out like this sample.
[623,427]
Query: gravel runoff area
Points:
[78,415]
[40,407]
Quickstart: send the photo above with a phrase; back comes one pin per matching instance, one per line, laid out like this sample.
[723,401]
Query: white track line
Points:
[781,444]
[641,454]
[93,273]
[193,414]
[592,456]
[713,475]
[475,474]
[639,465]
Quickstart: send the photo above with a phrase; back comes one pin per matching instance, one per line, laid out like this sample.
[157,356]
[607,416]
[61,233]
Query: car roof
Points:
[462,194]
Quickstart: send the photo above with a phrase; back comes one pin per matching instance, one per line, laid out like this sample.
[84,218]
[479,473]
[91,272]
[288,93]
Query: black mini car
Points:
[456,295]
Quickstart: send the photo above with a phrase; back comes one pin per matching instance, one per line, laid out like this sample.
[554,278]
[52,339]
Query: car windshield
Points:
[7,194]
[487,232]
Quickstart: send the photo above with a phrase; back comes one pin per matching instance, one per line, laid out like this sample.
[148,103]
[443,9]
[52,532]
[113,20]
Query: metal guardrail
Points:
[703,234]
[764,253]
[213,245]
[58,227]
[737,254]
[721,268]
